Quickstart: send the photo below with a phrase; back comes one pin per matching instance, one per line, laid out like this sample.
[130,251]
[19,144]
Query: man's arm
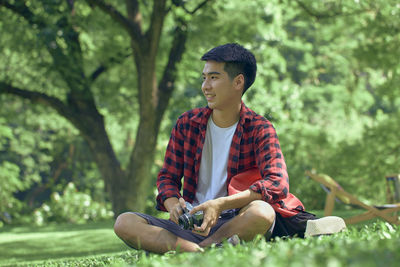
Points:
[213,208]
[169,178]
[275,183]
[238,200]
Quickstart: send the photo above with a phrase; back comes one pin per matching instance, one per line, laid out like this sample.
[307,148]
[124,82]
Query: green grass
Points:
[26,244]
[374,244]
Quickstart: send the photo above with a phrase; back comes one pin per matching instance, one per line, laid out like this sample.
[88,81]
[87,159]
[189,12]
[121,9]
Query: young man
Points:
[209,146]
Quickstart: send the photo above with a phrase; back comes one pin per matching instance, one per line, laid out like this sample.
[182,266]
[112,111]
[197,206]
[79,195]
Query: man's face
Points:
[217,86]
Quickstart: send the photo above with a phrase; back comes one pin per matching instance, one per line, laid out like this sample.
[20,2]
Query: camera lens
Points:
[197,218]
[184,221]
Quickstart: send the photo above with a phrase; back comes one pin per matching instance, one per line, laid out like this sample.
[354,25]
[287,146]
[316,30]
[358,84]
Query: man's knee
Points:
[261,213]
[125,224]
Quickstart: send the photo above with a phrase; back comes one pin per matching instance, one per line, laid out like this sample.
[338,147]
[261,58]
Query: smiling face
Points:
[221,91]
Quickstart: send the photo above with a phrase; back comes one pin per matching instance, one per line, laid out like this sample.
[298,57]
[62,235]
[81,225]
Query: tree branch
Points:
[175,55]
[153,33]
[196,8]
[36,97]
[132,7]
[71,6]
[21,9]
[105,66]
[74,112]
[132,27]
[313,13]
[166,85]
[181,3]
[327,15]
[67,61]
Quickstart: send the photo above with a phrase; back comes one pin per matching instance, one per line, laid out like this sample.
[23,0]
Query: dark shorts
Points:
[292,226]
[281,227]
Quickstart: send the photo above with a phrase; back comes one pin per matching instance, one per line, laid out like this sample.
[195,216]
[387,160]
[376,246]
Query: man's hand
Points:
[211,209]
[175,208]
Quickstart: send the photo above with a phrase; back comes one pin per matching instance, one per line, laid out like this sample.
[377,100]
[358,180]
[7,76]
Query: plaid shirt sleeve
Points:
[269,158]
[169,178]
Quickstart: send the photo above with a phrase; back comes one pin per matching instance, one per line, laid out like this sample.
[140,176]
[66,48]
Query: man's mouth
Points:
[209,97]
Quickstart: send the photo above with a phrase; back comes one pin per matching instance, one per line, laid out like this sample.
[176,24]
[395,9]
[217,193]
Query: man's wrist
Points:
[223,203]
[169,203]
[238,200]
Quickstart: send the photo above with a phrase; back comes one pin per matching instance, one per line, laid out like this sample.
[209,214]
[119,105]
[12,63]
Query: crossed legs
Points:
[254,219]
[137,233]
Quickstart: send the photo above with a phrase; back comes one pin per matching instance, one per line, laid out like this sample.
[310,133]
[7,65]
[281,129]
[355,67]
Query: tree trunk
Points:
[90,123]
[114,177]
[142,157]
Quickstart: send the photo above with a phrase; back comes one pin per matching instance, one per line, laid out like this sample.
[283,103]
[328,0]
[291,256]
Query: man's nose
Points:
[205,85]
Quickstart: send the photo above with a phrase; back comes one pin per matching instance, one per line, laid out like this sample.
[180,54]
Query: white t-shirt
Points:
[214,163]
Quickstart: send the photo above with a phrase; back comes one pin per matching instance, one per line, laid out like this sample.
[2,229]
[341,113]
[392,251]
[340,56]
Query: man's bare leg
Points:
[254,219]
[136,232]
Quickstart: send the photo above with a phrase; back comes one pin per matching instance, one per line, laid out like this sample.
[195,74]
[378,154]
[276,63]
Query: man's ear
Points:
[239,82]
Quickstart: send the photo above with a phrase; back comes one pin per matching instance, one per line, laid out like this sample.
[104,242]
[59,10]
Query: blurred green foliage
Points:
[328,78]
[73,207]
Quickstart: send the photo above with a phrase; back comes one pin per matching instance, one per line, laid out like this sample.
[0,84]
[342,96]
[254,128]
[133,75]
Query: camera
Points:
[187,221]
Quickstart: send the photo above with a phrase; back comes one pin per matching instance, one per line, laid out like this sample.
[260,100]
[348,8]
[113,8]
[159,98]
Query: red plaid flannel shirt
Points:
[254,143]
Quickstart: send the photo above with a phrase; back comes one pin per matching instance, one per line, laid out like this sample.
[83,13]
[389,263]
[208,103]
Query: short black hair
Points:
[237,59]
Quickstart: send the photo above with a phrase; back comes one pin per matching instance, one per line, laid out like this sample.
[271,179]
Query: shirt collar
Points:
[245,114]
[205,113]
